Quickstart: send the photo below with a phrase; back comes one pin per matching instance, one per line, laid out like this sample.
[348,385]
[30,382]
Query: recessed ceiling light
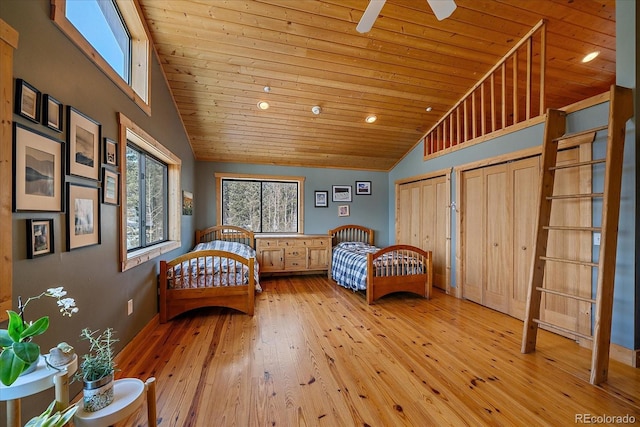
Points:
[267,89]
[590,57]
[429,109]
[316,109]
[371,118]
[263,105]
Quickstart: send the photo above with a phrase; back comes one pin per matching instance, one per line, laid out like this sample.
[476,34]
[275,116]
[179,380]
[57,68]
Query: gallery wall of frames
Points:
[71,175]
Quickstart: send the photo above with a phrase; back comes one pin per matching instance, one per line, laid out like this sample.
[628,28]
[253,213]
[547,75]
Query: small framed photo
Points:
[341,193]
[110,187]
[39,237]
[343,210]
[110,152]
[52,113]
[321,199]
[363,188]
[39,172]
[187,203]
[27,101]
[83,139]
[83,216]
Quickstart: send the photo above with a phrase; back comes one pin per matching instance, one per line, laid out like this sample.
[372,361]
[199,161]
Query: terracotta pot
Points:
[98,394]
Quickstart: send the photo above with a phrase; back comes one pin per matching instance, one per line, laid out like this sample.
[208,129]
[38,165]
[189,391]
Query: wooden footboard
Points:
[196,289]
[406,269]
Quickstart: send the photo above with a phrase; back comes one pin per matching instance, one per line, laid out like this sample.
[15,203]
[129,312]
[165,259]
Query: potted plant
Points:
[53,419]
[97,369]
[18,353]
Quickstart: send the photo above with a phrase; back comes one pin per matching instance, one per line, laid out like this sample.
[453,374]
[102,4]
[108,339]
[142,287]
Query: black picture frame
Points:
[363,188]
[341,193]
[38,170]
[83,145]
[52,113]
[28,100]
[110,152]
[39,237]
[110,187]
[83,216]
[321,199]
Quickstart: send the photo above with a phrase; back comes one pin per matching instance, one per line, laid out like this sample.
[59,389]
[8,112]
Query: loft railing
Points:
[512,92]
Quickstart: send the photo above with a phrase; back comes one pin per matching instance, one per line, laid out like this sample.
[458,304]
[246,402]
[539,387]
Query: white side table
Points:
[128,396]
[43,378]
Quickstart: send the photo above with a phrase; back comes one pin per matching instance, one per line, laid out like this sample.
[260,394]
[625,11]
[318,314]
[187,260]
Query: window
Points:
[152,208]
[261,204]
[146,199]
[112,34]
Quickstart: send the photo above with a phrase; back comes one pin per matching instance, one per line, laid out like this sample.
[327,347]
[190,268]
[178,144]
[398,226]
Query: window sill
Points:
[141,256]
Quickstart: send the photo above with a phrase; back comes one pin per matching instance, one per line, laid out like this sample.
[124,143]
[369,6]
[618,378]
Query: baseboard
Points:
[618,353]
[135,342]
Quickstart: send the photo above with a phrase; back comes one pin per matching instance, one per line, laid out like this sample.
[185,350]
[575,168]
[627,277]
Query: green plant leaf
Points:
[28,352]
[5,339]
[16,325]
[36,328]
[10,367]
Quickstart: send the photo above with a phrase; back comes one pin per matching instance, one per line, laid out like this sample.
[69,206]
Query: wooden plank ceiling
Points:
[219,55]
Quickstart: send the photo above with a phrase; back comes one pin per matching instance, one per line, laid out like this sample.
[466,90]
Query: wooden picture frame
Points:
[27,101]
[38,170]
[39,237]
[83,139]
[343,210]
[83,216]
[321,199]
[363,188]
[187,203]
[341,193]
[110,154]
[110,187]
[52,113]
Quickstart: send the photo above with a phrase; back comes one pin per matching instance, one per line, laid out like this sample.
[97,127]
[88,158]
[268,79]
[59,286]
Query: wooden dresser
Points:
[293,253]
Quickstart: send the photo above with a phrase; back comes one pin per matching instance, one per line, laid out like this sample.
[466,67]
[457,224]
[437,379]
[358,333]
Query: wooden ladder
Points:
[620,110]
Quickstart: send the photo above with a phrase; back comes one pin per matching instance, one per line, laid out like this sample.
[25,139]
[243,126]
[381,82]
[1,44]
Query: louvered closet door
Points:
[472,211]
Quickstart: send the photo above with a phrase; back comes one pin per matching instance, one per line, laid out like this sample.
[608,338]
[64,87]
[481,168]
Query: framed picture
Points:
[343,210]
[321,199]
[83,139]
[38,163]
[27,101]
[341,193]
[110,187]
[83,216]
[187,203]
[39,237]
[52,113]
[110,152]
[363,188]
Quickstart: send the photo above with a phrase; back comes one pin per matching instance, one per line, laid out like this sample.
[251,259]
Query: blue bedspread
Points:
[349,264]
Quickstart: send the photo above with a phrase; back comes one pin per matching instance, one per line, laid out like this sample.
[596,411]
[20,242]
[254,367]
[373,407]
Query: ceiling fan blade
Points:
[442,8]
[369,16]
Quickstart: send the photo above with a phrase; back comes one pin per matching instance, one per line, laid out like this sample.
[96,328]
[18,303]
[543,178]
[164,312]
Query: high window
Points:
[112,34]
[261,204]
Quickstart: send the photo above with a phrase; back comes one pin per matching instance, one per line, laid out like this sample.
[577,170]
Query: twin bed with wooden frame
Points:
[397,268]
[221,271]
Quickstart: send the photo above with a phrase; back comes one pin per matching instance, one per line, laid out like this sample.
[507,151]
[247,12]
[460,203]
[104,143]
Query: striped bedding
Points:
[207,272]
[349,264]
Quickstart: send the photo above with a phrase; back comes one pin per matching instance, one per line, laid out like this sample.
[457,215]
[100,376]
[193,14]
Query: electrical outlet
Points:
[596,239]
[129,307]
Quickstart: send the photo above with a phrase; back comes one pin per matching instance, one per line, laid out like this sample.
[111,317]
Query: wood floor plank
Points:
[315,354]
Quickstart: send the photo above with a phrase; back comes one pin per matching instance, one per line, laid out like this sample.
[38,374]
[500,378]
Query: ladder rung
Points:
[575,196]
[570,228]
[577,164]
[566,295]
[570,261]
[584,132]
[565,330]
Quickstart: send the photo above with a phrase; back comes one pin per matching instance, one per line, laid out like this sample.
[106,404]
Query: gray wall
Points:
[625,317]
[49,61]
[366,210]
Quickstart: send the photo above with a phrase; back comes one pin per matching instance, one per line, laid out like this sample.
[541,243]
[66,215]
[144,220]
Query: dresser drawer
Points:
[295,251]
[295,263]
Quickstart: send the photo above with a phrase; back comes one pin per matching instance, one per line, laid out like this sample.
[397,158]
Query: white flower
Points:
[58,292]
[67,306]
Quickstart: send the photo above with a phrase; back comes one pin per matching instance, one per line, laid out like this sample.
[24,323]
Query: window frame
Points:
[250,177]
[138,89]
[129,131]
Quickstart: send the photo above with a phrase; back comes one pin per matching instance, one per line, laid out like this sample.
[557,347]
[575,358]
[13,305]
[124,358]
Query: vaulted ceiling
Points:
[219,55]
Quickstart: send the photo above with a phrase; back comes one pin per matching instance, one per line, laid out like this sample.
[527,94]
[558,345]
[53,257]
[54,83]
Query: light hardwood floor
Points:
[316,354]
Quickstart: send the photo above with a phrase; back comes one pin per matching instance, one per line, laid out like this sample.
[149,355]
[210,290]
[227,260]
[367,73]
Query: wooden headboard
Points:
[228,233]
[351,233]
